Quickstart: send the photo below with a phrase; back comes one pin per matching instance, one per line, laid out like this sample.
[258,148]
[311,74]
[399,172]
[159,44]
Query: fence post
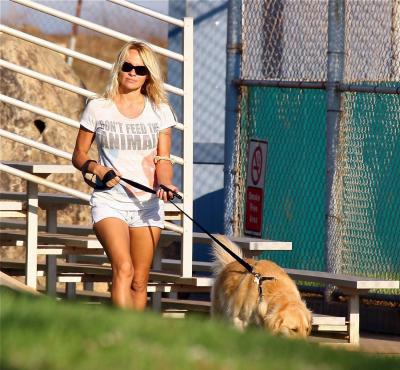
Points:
[395,35]
[233,57]
[333,189]
[187,241]
[31,234]
[74,32]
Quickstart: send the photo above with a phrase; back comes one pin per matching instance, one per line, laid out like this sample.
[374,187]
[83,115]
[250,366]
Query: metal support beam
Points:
[233,56]
[336,28]
[187,242]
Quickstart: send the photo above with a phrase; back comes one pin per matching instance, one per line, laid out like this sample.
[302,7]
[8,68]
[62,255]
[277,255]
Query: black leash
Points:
[258,278]
[111,174]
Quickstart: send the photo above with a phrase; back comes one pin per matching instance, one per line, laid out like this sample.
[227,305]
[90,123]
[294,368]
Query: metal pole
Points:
[233,58]
[395,65]
[336,29]
[41,77]
[72,40]
[187,240]
[95,27]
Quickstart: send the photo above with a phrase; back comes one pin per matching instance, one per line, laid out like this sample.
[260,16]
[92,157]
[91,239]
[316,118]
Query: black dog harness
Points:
[258,279]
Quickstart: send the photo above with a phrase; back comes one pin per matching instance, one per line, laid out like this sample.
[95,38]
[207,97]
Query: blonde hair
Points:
[153,88]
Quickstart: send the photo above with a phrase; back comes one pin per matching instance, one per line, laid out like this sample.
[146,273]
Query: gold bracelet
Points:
[158,158]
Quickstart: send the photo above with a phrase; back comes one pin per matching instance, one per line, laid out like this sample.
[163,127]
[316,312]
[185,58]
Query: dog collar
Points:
[258,279]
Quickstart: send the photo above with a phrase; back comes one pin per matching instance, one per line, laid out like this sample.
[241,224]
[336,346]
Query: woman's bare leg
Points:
[113,235]
[143,242]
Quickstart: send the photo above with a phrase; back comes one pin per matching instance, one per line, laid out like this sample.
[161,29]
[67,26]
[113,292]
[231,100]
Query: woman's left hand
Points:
[165,195]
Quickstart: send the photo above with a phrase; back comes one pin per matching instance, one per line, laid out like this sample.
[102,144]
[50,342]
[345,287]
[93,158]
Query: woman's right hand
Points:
[100,171]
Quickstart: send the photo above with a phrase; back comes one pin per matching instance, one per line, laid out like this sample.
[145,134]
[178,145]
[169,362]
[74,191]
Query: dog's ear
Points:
[277,323]
[262,308]
[274,320]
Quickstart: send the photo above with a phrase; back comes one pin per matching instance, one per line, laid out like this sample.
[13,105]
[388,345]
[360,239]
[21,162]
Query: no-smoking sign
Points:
[256,165]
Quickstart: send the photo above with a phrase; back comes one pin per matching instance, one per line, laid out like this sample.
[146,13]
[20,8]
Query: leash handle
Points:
[172,191]
[88,177]
[107,177]
[103,186]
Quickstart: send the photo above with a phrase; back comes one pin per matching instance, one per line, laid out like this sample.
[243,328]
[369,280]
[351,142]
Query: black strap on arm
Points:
[88,177]
[85,166]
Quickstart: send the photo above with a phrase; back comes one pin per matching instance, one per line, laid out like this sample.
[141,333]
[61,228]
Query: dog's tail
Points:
[221,258]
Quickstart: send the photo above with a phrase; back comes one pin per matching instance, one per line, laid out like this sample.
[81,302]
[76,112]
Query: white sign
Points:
[256,163]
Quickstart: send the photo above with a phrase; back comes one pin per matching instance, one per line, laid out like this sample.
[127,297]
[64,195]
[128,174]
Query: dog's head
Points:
[291,319]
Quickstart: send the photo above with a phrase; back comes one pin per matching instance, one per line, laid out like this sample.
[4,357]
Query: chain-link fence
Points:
[278,42]
[283,100]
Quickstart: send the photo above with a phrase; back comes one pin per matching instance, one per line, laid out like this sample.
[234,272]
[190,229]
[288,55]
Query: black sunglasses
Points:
[139,70]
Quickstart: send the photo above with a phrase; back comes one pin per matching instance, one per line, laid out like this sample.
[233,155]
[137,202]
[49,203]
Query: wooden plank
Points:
[171,313]
[253,244]
[8,205]
[169,207]
[104,296]
[174,265]
[93,259]
[12,214]
[202,306]
[62,250]
[341,328]
[49,238]
[85,230]
[349,281]
[92,294]
[319,319]
[173,216]
[175,278]
[45,199]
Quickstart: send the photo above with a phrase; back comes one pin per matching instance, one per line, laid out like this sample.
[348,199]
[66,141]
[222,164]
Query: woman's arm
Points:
[80,156]
[164,169]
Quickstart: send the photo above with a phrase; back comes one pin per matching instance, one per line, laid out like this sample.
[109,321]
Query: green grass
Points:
[38,333]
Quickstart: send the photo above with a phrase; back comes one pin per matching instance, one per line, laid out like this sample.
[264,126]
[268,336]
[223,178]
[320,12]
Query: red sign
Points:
[256,166]
[254,210]
[256,163]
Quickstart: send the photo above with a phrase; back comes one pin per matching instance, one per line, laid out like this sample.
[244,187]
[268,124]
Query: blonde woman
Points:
[131,124]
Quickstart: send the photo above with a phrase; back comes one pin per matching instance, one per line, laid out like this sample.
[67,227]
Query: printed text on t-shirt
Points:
[124,136]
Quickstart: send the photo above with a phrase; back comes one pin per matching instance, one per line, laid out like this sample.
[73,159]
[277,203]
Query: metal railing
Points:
[72,53]
[186,92]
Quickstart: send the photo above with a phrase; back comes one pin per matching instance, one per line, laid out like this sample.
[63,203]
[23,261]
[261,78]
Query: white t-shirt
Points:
[128,145]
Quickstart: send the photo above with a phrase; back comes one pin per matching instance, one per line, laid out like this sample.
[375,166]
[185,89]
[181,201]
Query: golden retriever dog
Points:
[236,294]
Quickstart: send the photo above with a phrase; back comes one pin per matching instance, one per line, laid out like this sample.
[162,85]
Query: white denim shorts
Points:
[134,218]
